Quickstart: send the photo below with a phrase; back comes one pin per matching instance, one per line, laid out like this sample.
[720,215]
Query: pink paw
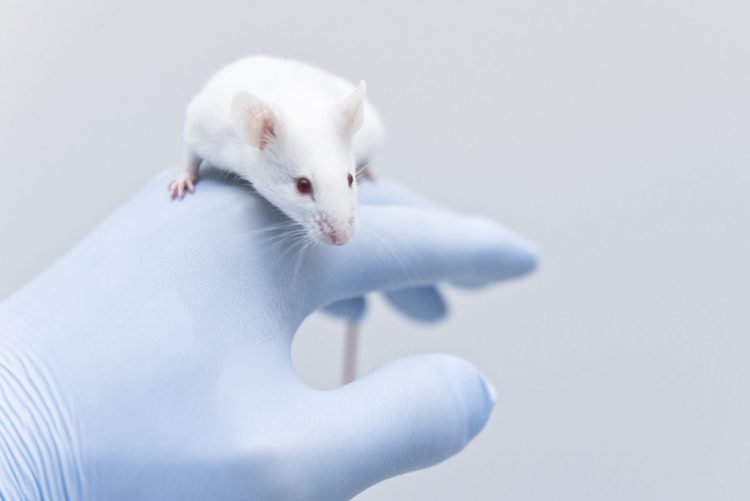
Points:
[185,182]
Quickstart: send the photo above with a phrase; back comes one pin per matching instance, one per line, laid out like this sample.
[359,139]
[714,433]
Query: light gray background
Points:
[613,134]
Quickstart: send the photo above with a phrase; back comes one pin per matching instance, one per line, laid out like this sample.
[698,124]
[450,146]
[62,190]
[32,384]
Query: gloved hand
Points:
[152,361]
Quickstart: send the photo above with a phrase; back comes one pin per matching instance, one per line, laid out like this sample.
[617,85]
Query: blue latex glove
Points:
[153,360]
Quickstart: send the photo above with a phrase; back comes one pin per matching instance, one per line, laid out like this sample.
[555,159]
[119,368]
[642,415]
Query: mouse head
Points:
[307,166]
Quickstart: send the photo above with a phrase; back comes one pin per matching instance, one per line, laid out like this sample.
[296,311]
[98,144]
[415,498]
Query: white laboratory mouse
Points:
[298,134]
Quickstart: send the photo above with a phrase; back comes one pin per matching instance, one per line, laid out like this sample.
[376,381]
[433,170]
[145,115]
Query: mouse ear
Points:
[352,109]
[253,120]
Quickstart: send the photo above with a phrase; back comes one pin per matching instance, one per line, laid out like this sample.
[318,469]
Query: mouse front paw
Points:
[182,184]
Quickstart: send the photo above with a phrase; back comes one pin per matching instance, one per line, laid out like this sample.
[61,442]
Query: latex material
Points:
[153,360]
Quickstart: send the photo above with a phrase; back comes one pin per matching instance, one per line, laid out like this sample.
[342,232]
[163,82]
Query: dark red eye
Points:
[349,179]
[304,186]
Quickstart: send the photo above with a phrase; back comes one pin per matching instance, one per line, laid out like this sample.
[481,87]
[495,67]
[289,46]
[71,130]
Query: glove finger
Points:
[423,304]
[404,416]
[351,310]
[400,247]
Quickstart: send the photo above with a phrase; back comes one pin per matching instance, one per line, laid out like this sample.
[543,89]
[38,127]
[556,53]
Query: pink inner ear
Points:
[267,132]
[265,118]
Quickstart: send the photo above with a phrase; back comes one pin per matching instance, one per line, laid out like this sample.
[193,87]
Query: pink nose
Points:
[337,238]
[334,235]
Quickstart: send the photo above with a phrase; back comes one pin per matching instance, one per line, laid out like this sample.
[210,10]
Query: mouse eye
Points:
[349,179]
[304,185]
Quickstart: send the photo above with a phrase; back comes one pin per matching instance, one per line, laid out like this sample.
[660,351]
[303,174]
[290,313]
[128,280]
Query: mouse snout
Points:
[335,231]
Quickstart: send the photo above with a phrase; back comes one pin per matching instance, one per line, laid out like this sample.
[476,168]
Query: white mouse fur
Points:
[273,121]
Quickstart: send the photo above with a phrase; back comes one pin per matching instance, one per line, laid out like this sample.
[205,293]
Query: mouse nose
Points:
[336,234]
[337,238]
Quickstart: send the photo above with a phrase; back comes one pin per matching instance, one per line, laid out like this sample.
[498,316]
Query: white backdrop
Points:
[613,134]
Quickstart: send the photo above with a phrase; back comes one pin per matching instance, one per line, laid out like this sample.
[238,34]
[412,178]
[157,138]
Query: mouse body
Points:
[299,134]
